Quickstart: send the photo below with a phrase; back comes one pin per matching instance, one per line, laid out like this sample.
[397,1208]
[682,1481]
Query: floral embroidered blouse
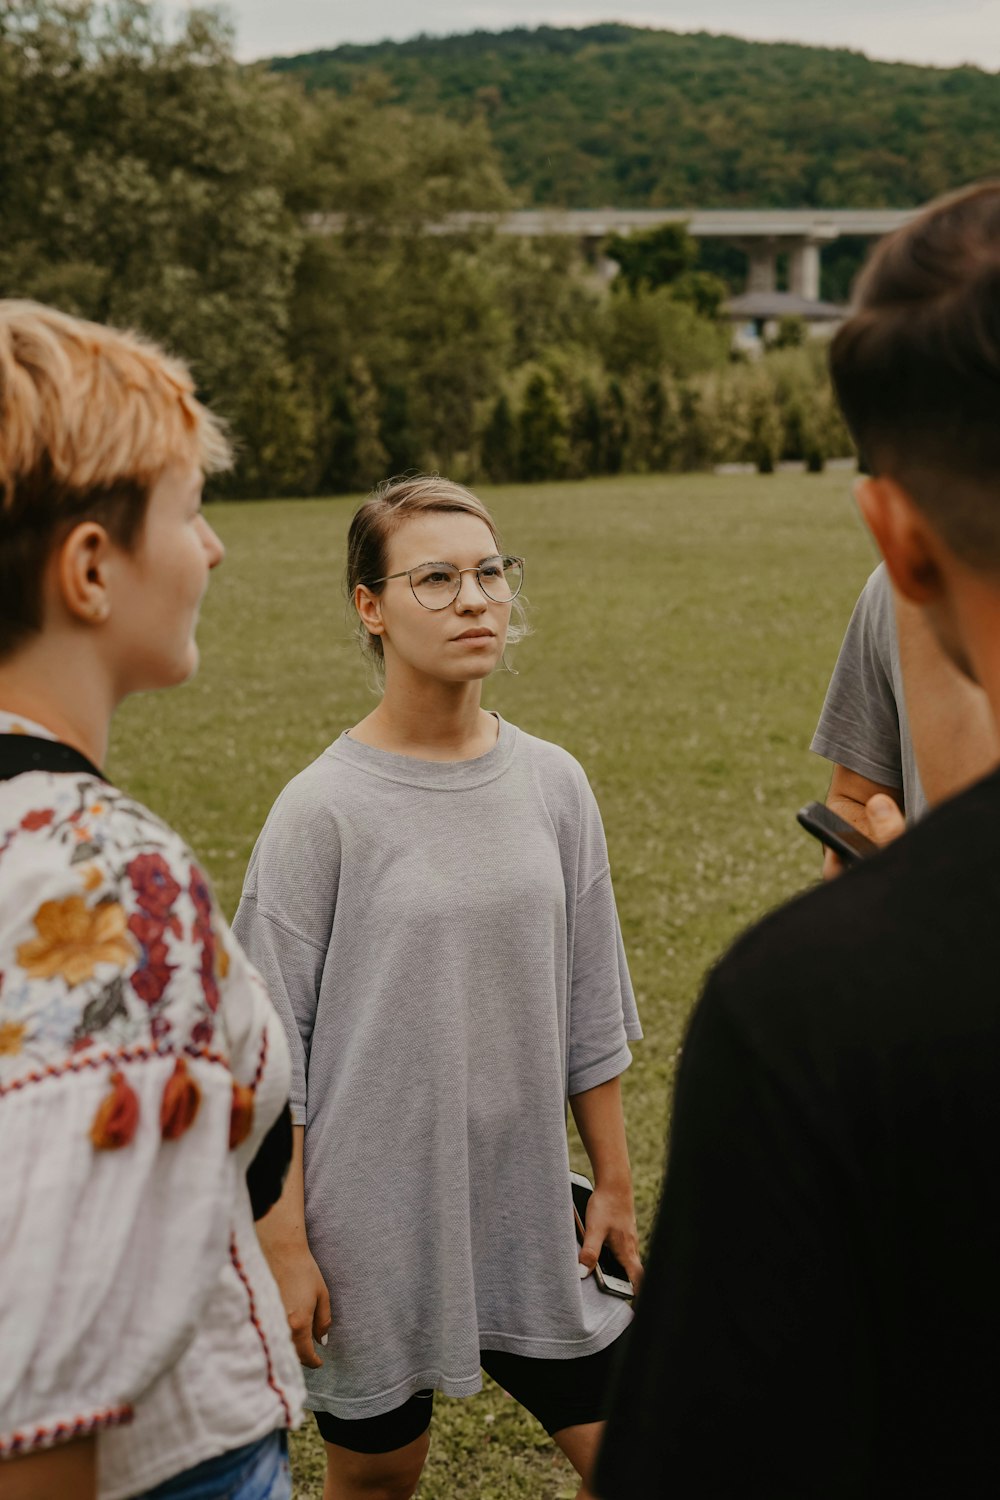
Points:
[141,1064]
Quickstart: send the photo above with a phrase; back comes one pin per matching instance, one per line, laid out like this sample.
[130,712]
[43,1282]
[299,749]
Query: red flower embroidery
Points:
[150,930]
[208,980]
[155,888]
[151,981]
[152,976]
[160,1027]
[203,1031]
[201,894]
[35,820]
[204,934]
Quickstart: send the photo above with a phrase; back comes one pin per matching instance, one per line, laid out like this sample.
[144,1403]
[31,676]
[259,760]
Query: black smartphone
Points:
[609,1273]
[835,832]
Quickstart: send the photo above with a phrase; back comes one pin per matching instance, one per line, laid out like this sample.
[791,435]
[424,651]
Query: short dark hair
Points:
[916,368]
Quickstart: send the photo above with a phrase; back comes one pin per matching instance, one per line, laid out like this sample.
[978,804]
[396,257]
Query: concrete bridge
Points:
[762,233]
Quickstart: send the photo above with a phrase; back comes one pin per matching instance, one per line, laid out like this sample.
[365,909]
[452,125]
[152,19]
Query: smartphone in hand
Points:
[836,833]
[609,1273]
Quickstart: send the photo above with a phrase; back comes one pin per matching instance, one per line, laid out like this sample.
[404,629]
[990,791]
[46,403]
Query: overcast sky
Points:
[944,32]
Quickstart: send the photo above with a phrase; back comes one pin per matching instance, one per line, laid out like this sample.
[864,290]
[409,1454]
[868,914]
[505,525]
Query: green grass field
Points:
[684,632]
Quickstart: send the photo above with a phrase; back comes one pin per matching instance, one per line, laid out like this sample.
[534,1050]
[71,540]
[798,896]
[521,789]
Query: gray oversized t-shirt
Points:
[863,725]
[441,942]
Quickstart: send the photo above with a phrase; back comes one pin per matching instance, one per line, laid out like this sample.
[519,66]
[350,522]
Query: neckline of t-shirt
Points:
[441,775]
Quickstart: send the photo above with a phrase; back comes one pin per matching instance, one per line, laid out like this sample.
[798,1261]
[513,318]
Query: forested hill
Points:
[616,115]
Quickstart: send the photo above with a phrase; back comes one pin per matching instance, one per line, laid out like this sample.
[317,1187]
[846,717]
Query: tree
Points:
[705,292]
[764,425]
[586,431]
[695,428]
[652,258]
[149,180]
[397,430]
[615,431]
[656,424]
[499,444]
[422,309]
[652,331]
[543,430]
[792,333]
[647,118]
[369,453]
[142,185]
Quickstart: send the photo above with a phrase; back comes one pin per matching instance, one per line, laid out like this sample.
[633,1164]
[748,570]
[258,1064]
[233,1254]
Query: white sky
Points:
[943,32]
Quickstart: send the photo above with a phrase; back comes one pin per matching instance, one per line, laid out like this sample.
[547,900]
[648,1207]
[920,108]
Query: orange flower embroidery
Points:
[11,1035]
[221,957]
[92,878]
[74,938]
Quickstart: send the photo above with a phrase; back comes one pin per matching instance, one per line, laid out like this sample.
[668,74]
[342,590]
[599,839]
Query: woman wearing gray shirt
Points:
[430,903]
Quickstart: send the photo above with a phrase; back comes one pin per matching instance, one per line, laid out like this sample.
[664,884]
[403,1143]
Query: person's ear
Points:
[83,572]
[369,608]
[905,538]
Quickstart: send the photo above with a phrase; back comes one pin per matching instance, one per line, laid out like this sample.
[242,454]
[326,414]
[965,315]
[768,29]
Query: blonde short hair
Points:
[90,417]
[387,507]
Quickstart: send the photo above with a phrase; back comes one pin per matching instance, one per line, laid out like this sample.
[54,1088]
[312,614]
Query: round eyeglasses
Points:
[435,585]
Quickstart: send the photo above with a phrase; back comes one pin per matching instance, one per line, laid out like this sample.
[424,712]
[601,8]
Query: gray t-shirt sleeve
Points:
[859,725]
[285,915]
[602,1011]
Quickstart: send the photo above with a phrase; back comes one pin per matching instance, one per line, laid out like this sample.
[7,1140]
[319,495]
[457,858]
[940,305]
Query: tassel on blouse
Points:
[117,1116]
[241,1114]
[181,1098]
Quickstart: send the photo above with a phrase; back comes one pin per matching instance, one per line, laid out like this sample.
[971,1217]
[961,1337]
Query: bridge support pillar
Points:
[762,270]
[803,270]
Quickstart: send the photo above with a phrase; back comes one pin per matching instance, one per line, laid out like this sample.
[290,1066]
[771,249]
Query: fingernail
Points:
[324,1340]
[584,1271]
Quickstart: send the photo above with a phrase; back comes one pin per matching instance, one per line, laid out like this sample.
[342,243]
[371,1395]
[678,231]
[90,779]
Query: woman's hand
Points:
[611,1221]
[305,1297]
[884,822]
[611,1210]
[282,1235]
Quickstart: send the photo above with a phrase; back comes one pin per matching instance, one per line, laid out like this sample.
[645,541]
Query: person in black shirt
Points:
[821,1310]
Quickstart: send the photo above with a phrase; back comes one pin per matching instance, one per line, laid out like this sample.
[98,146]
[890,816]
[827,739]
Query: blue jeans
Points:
[258,1471]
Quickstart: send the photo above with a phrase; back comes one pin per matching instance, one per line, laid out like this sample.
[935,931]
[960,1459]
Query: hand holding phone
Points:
[609,1273]
[836,833]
